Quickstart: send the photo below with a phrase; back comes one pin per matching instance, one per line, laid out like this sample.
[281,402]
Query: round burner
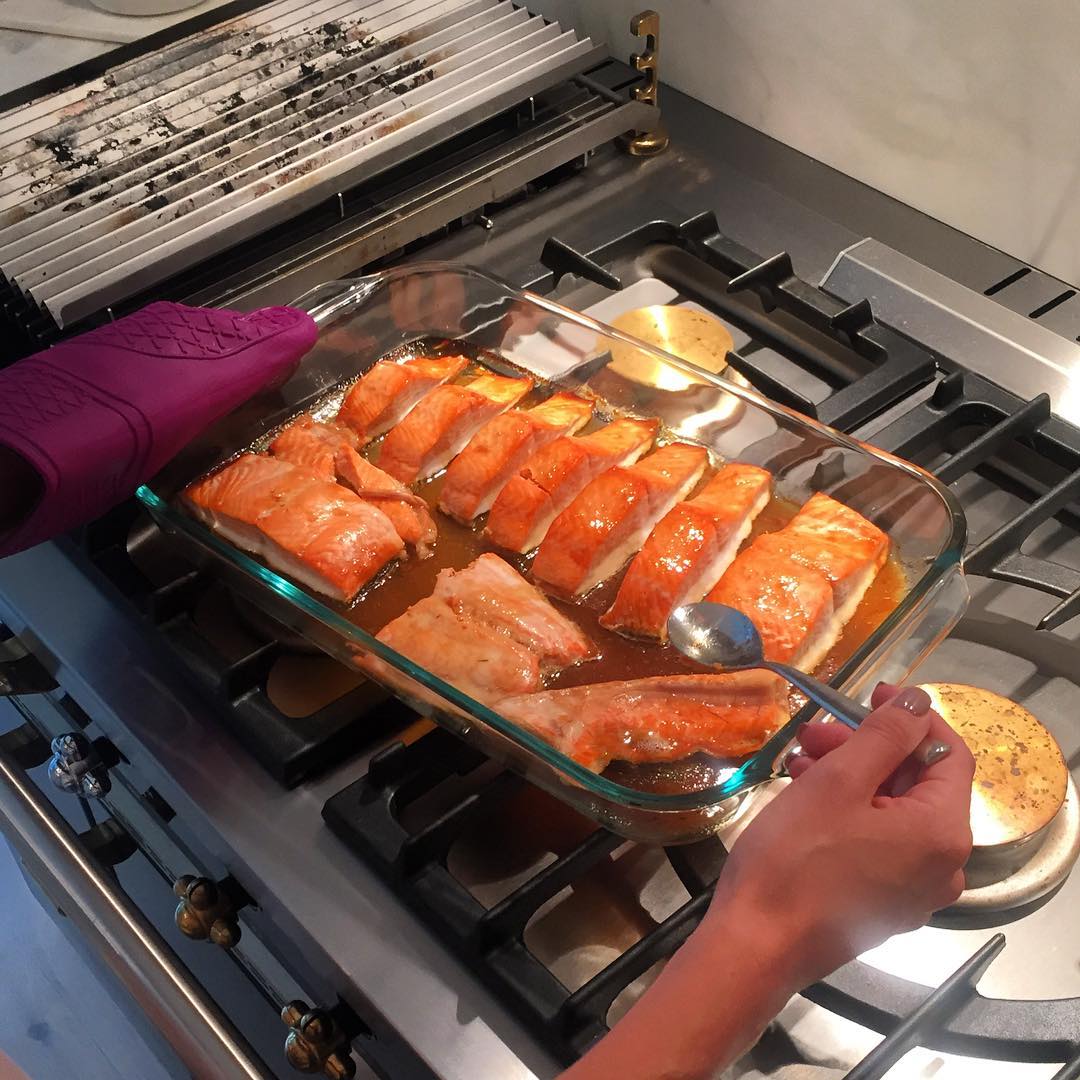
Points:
[1025,815]
[685,332]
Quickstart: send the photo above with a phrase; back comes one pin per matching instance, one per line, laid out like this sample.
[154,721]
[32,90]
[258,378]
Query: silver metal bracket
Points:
[1005,347]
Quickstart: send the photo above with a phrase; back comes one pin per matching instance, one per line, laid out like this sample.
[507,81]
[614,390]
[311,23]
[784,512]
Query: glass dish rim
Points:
[325,301]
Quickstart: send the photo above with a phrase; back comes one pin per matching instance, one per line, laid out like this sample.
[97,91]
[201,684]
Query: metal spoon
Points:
[720,636]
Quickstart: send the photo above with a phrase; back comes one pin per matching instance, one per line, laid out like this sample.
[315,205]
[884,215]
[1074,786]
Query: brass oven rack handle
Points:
[203,1038]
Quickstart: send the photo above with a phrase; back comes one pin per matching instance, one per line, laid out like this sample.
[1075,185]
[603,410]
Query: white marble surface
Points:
[966,110]
[25,57]
[83,19]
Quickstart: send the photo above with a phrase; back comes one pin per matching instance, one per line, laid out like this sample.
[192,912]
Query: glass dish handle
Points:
[325,301]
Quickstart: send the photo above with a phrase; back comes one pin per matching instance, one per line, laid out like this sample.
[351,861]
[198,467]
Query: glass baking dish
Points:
[440,305]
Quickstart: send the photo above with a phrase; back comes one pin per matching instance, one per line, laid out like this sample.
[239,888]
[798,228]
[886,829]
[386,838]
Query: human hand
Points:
[865,844]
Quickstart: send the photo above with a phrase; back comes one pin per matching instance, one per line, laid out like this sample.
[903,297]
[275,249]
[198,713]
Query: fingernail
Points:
[914,699]
[935,752]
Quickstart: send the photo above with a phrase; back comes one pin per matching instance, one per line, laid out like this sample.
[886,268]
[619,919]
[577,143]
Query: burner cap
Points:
[1025,815]
[684,332]
[1020,773]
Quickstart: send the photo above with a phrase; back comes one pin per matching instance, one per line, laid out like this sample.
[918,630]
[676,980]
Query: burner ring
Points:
[1041,873]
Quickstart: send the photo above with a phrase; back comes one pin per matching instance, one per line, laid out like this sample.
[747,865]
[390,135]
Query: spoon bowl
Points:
[720,636]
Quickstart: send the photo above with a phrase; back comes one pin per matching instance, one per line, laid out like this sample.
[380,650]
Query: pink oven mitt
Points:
[84,423]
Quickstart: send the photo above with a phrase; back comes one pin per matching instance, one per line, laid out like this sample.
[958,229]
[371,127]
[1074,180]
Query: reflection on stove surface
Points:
[996,647]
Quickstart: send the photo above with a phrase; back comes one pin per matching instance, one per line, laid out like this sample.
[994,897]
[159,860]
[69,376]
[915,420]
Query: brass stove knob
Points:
[316,1042]
[207,911]
[76,768]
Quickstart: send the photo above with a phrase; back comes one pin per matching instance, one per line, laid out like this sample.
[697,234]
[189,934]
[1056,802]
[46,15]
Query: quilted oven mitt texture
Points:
[84,423]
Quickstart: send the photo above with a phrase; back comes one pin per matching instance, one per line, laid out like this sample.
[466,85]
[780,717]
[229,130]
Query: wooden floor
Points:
[56,1019]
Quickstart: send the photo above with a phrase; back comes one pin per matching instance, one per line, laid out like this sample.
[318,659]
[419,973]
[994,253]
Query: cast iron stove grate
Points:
[291,748]
[959,424]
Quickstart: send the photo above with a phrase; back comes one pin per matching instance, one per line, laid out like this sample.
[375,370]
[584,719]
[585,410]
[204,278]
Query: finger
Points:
[883,693]
[904,779]
[946,783]
[819,739]
[884,739]
[797,764]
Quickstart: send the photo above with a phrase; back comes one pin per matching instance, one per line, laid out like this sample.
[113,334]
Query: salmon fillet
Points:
[493,592]
[549,481]
[688,552]
[231,500]
[657,719]
[479,660]
[613,515]
[311,529]
[313,445]
[841,544]
[791,605]
[408,513]
[389,391]
[485,630]
[802,584]
[436,430]
[477,475]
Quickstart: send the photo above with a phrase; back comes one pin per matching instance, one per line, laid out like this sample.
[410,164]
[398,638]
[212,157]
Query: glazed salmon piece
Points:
[477,659]
[781,581]
[312,445]
[791,605]
[436,430]
[492,592]
[343,554]
[841,544]
[549,481]
[312,529]
[231,500]
[408,513]
[613,515]
[389,391]
[477,475]
[686,554]
[666,718]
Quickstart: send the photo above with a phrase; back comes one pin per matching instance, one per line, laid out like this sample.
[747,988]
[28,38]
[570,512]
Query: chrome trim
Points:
[203,1038]
[1010,349]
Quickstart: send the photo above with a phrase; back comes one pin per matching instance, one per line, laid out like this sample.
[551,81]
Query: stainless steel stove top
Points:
[326,914]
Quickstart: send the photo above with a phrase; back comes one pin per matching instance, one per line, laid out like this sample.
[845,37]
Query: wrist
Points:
[775,943]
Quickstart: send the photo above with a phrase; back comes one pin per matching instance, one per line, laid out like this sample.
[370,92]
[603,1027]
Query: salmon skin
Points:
[688,552]
[666,718]
[549,481]
[437,429]
[408,513]
[478,659]
[314,530]
[313,445]
[592,538]
[485,630]
[501,447]
[802,584]
[390,390]
[493,592]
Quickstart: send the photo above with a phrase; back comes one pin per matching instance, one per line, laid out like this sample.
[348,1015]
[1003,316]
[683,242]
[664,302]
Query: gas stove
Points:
[381,871]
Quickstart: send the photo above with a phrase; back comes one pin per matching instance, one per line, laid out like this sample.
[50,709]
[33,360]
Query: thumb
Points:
[885,738]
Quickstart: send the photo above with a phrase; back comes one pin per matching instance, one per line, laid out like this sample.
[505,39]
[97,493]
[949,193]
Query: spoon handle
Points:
[845,709]
[848,711]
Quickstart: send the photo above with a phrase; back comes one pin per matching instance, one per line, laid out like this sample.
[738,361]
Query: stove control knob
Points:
[207,911]
[316,1042]
[77,768]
